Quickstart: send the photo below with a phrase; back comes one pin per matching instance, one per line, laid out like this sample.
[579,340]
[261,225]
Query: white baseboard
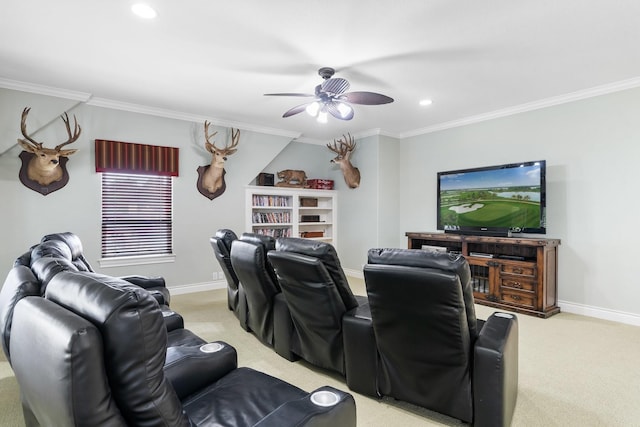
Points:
[358,274]
[197,287]
[600,313]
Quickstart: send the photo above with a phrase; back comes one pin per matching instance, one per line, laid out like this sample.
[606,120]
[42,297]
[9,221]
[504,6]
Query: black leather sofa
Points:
[425,344]
[33,270]
[93,351]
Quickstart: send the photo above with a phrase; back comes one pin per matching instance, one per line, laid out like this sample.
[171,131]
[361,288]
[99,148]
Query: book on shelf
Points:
[267,200]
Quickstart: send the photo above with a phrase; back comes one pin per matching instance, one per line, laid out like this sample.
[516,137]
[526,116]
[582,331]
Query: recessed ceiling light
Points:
[426,102]
[143,10]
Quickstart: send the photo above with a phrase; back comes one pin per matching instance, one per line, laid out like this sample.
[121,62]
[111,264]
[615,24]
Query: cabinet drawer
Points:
[512,283]
[521,270]
[521,299]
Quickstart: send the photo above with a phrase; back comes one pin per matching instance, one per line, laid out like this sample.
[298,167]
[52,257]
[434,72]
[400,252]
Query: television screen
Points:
[499,198]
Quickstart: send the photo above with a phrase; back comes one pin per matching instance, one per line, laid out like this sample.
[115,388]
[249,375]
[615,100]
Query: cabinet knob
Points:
[516,297]
[518,270]
[517,285]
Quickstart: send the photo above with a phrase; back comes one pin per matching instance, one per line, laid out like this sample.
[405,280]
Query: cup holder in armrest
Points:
[324,398]
[503,315]
[211,347]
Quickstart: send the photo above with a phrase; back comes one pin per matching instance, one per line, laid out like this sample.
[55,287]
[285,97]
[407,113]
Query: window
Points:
[137,201]
[137,215]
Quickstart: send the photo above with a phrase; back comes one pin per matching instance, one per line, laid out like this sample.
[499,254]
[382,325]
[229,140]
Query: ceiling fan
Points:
[331,97]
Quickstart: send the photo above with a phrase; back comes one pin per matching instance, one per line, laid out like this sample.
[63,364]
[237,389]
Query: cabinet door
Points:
[480,278]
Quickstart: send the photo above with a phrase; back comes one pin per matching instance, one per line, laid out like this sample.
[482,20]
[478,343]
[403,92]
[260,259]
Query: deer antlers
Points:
[65,118]
[347,145]
[235,139]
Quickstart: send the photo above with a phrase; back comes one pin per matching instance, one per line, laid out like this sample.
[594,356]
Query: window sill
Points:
[136,260]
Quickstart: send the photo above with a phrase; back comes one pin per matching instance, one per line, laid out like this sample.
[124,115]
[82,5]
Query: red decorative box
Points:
[320,184]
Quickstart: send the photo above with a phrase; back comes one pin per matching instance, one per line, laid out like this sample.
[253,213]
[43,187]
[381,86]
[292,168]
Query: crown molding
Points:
[536,105]
[171,114]
[44,90]
[359,135]
[89,99]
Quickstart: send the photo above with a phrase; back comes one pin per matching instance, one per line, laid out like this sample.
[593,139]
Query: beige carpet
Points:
[574,370]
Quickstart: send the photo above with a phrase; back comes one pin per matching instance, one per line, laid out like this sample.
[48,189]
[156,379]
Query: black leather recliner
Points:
[94,352]
[318,298]
[156,285]
[432,351]
[236,300]
[257,280]
[34,269]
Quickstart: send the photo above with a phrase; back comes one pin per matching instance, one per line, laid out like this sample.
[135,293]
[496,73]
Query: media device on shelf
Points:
[493,200]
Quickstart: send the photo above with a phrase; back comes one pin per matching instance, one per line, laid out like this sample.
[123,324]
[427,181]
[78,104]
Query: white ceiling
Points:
[215,60]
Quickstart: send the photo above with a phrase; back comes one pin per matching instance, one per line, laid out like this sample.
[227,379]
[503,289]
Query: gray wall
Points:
[592,149]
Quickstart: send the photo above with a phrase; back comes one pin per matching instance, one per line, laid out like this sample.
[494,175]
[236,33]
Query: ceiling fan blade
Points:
[340,110]
[335,86]
[366,98]
[295,110]
[289,94]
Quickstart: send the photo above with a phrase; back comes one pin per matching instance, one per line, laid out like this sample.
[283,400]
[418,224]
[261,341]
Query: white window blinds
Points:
[137,215]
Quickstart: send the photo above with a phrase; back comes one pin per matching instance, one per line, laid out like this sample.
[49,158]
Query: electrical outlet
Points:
[215,275]
[220,275]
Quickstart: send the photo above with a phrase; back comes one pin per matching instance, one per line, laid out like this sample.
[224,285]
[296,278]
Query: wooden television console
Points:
[511,273]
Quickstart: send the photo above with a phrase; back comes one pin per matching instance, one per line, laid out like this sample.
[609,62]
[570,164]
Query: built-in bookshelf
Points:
[292,212]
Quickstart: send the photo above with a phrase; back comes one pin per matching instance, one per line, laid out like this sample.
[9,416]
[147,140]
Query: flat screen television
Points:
[493,200]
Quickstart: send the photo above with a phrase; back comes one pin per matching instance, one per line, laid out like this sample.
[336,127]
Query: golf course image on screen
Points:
[505,198]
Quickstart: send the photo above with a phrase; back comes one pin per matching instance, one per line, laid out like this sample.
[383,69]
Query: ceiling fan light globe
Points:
[322,117]
[313,109]
[344,109]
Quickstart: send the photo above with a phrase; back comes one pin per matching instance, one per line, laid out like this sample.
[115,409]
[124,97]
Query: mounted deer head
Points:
[44,166]
[211,178]
[346,147]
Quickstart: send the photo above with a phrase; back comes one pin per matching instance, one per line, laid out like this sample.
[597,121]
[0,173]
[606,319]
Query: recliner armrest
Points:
[360,351]
[155,285]
[325,406]
[172,319]
[191,368]
[495,371]
[146,282]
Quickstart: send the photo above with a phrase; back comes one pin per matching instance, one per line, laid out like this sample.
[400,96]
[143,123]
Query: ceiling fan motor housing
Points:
[326,72]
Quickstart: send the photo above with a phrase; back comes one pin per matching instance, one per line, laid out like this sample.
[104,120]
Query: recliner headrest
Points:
[75,246]
[71,240]
[51,249]
[226,236]
[327,254]
[268,242]
[47,268]
[24,259]
[446,261]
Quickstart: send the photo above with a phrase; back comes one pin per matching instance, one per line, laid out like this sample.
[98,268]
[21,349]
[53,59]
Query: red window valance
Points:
[126,157]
